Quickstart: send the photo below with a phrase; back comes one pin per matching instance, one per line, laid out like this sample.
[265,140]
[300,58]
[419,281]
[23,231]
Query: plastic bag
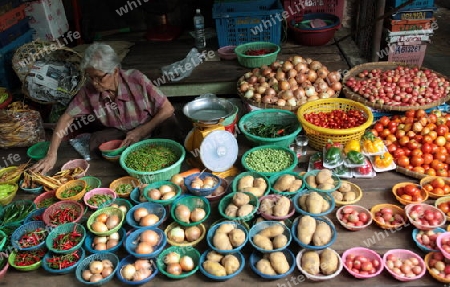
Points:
[20,126]
[182,69]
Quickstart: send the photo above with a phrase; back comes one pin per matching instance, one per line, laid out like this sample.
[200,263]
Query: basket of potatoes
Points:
[227,237]
[275,207]
[238,206]
[252,182]
[273,265]
[323,180]
[313,203]
[313,233]
[287,183]
[347,193]
[221,267]
[319,265]
[269,236]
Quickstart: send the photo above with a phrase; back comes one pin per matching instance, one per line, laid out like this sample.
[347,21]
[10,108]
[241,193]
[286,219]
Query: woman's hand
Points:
[133,136]
[45,164]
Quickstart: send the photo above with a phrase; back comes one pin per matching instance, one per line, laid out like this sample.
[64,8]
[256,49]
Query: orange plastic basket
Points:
[319,136]
[70,184]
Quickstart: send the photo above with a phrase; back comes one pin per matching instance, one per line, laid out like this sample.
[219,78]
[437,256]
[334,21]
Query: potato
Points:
[272,231]
[262,242]
[296,185]
[240,199]
[256,191]
[237,237]
[325,205]
[322,235]
[325,186]
[231,210]
[279,262]
[306,228]
[265,267]
[302,201]
[323,175]
[282,206]
[245,182]
[259,219]
[284,182]
[311,262]
[311,181]
[231,264]
[245,210]
[260,183]
[330,181]
[349,196]
[221,241]
[214,256]
[214,268]
[225,228]
[314,202]
[279,241]
[266,206]
[329,262]
[345,187]
[337,195]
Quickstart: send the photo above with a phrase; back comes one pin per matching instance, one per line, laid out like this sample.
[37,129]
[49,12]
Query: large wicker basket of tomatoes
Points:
[419,141]
[339,120]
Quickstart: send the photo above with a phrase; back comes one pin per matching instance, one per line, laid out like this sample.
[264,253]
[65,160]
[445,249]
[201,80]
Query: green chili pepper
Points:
[333,155]
[355,157]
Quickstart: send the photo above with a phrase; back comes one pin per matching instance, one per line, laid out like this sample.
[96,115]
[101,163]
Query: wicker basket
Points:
[256,61]
[64,205]
[124,180]
[274,117]
[162,174]
[319,136]
[26,55]
[384,66]
[45,199]
[71,184]
[8,199]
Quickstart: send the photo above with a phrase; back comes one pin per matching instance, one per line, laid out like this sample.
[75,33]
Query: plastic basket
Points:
[182,251]
[355,188]
[38,151]
[109,211]
[404,254]
[121,202]
[201,191]
[327,197]
[116,184]
[294,230]
[274,117]
[238,255]
[427,260]
[314,172]
[8,199]
[99,191]
[130,259]
[165,173]
[428,180]
[63,205]
[192,202]
[62,229]
[395,210]
[257,228]
[237,21]
[255,175]
[133,238]
[274,158]
[274,198]
[10,169]
[71,184]
[256,256]
[361,251]
[420,245]
[91,182]
[298,8]
[305,35]
[319,277]
[185,243]
[46,266]
[152,208]
[12,17]
[112,148]
[249,61]
[157,185]
[414,5]
[89,241]
[212,231]
[228,199]
[46,199]
[359,209]
[24,229]
[35,215]
[425,207]
[84,264]
[403,201]
[273,179]
[77,163]
[34,190]
[318,136]
[12,258]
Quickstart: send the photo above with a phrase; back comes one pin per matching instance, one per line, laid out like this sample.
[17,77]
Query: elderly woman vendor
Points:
[124,102]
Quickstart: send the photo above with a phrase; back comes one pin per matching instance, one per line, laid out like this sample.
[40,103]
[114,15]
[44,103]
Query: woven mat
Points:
[121,47]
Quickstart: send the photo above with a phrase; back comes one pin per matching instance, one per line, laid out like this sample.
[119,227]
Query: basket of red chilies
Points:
[66,238]
[62,212]
[62,263]
[30,236]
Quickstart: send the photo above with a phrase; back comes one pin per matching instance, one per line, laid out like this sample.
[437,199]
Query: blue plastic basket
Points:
[240,22]
[35,190]
[263,225]
[28,227]
[327,197]
[212,231]
[152,208]
[256,256]
[84,264]
[273,179]
[201,191]
[61,229]
[414,5]
[80,252]
[130,259]
[134,196]
[89,240]
[422,247]
[313,247]
[238,255]
[132,241]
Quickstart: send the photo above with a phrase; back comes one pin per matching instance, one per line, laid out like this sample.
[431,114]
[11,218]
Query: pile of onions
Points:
[144,217]
[177,264]
[98,270]
[164,192]
[147,241]
[137,271]
[183,213]
[102,243]
[290,83]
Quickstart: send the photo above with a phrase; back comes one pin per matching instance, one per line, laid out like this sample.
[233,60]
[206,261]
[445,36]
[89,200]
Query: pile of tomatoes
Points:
[410,192]
[337,119]
[438,186]
[418,141]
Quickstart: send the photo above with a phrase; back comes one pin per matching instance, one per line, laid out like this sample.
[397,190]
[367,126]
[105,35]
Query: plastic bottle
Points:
[199,24]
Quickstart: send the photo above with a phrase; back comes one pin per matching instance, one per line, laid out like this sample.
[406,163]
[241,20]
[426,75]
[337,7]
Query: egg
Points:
[143,248]
[140,213]
[112,221]
[98,226]
[148,220]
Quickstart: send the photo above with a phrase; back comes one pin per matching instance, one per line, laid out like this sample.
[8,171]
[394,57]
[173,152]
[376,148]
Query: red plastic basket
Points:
[297,8]
[12,17]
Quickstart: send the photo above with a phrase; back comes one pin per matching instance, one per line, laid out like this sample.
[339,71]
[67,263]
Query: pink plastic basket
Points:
[403,254]
[439,243]
[38,201]
[74,163]
[4,270]
[64,204]
[99,191]
[370,254]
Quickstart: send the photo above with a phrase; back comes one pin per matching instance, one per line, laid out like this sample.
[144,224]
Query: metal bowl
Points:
[208,110]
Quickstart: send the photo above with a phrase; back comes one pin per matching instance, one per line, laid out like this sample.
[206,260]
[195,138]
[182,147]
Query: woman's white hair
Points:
[100,57]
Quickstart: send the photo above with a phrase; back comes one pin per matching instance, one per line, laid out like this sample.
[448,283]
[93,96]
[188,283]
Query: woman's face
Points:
[102,81]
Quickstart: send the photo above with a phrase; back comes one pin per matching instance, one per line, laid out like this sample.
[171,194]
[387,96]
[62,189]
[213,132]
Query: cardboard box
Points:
[48,18]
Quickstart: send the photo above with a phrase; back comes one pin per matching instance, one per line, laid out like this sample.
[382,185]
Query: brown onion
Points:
[315,65]
[300,78]
[322,73]
[267,99]
[281,102]
[301,67]
[292,73]
[311,76]
[333,77]
[287,65]
[336,86]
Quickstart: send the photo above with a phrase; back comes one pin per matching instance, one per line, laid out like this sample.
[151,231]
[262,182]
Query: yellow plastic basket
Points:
[319,136]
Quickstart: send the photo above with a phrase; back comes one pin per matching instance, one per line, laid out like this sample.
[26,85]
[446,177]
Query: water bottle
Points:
[199,24]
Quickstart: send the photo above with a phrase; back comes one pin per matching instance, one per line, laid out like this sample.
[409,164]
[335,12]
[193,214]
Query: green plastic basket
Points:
[9,198]
[192,202]
[270,117]
[256,61]
[109,211]
[39,150]
[162,174]
[273,179]
[224,202]
[62,229]
[31,267]
[182,251]
[250,173]
[91,182]
[121,201]
[264,169]
[157,185]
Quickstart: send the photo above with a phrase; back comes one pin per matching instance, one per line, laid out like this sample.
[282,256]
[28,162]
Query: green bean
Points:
[150,158]
[268,160]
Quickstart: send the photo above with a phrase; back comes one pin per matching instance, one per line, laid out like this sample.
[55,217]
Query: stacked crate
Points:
[14,32]
[408,31]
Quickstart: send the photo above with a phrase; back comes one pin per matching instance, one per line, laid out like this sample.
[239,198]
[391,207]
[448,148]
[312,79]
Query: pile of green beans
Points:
[268,160]
[151,158]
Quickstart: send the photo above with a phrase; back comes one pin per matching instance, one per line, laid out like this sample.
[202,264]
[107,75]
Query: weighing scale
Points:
[209,145]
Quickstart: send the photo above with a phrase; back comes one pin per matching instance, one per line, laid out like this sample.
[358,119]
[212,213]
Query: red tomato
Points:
[384,120]
[363,217]
[427,158]
[442,129]
[403,161]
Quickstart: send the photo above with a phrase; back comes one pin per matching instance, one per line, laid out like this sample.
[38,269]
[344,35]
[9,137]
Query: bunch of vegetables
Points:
[312,232]
[258,52]
[99,199]
[337,119]
[181,234]
[105,222]
[177,263]
[287,183]
[184,214]
[323,180]
[6,189]
[16,211]
[101,243]
[313,202]
[266,130]
[145,217]
[325,262]
[13,173]
[240,205]
[124,188]
[150,158]
[344,192]
[137,271]
[71,191]
[64,215]
[68,240]
[46,202]
[147,242]
[290,83]
[164,192]
[275,263]
[270,238]
[278,206]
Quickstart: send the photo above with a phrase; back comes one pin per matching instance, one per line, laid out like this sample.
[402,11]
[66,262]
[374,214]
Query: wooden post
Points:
[378,30]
